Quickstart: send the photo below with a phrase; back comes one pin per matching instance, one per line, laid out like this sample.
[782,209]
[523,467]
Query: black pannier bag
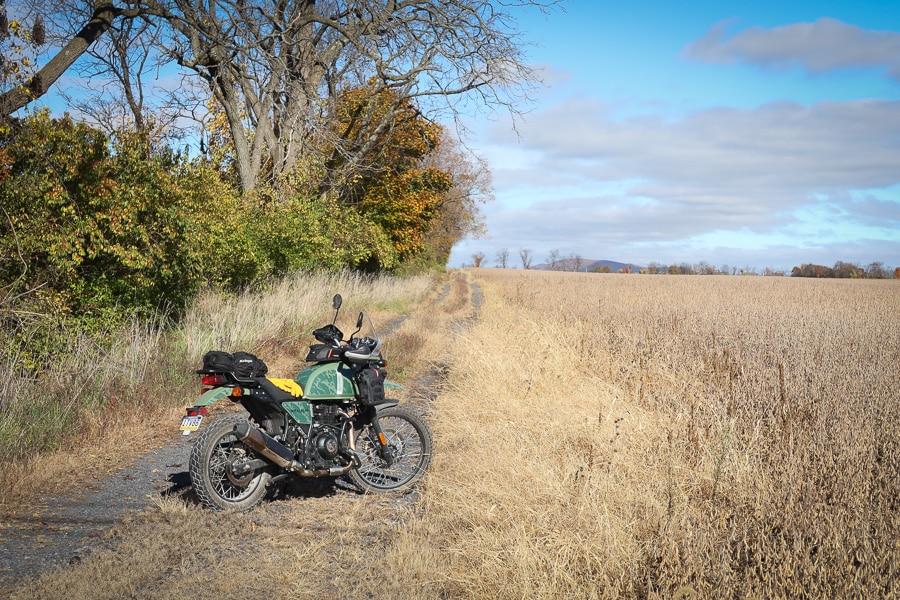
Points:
[371,386]
[248,366]
[217,361]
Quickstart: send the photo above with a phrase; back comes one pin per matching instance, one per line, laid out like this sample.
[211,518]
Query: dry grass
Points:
[287,311]
[599,436]
[610,436]
[319,541]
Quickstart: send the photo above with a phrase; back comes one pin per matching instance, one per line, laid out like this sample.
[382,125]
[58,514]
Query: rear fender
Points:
[213,395]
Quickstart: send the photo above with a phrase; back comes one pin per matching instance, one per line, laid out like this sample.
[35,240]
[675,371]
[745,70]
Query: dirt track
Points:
[62,529]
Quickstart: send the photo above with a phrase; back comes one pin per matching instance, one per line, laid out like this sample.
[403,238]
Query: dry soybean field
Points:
[664,436]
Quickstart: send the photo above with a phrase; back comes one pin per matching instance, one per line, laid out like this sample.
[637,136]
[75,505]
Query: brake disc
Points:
[236,457]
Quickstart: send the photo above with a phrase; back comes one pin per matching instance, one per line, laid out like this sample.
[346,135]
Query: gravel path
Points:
[61,529]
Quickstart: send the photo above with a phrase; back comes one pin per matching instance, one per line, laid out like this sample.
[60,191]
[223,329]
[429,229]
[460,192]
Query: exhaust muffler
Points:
[280,454]
[266,445]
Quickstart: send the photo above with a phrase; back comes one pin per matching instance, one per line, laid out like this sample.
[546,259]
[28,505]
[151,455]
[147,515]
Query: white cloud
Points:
[824,45]
[775,154]
[780,176]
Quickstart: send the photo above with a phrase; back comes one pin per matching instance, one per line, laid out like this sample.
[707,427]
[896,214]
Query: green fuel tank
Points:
[327,381]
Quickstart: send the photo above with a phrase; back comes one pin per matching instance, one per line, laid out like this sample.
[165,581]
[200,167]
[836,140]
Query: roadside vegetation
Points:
[298,545]
[110,243]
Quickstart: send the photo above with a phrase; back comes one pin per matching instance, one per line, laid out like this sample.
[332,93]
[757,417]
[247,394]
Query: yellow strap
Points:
[288,385]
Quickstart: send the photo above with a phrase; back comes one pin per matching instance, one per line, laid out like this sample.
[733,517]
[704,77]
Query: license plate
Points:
[190,423]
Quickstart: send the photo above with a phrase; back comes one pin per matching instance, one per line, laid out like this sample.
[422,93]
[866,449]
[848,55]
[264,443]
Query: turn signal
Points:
[236,392]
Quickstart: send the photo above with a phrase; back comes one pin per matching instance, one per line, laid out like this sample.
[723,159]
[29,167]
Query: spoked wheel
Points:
[410,443]
[216,473]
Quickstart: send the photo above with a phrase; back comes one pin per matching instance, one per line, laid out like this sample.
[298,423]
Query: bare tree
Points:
[525,255]
[279,67]
[111,88]
[577,262]
[477,259]
[103,14]
[553,260]
[502,257]
[876,270]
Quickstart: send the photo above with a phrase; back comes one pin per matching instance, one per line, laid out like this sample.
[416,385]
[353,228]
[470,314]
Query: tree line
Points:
[847,270]
[575,263]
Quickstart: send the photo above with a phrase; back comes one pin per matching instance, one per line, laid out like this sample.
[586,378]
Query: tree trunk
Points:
[18,97]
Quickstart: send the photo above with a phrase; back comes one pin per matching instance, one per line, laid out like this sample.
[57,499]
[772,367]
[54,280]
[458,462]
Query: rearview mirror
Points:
[336,301]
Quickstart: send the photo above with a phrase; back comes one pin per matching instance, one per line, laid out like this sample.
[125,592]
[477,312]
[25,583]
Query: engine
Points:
[324,445]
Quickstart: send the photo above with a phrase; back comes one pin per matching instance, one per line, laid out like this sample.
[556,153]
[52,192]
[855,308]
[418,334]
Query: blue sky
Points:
[753,134]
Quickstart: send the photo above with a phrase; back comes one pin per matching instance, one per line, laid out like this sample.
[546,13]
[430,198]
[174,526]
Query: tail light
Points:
[212,380]
[194,411]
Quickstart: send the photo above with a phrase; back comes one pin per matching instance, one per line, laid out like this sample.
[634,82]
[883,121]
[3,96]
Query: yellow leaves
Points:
[16,28]
[404,204]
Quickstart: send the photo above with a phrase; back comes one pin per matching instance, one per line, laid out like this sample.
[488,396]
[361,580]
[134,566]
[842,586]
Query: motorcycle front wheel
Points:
[410,444]
[214,457]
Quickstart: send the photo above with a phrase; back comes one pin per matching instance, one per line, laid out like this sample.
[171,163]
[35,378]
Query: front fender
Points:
[213,395]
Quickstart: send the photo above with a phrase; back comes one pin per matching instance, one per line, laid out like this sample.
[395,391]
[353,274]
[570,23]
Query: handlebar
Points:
[329,334]
[356,349]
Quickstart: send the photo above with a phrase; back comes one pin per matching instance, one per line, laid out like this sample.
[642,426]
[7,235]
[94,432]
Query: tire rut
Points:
[64,528]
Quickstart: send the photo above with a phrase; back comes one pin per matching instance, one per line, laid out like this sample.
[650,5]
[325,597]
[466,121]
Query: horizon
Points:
[698,267]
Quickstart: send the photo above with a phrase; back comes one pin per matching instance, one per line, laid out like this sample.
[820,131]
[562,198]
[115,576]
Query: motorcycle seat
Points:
[277,393]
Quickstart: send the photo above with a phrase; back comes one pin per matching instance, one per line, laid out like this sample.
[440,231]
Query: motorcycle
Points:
[332,420]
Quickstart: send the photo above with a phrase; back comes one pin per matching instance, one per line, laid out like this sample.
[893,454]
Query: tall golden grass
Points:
[640,436]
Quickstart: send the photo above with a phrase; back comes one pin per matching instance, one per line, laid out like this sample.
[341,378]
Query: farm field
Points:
[596,436]
[662,436]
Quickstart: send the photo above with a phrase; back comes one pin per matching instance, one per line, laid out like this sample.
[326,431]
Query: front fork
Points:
[370,416]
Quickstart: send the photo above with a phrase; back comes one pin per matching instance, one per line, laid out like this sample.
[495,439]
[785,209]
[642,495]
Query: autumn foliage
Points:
[102,227]
[96,227]
[393,191]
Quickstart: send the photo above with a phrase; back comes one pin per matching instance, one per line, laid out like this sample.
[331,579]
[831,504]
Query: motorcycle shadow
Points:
[313,487]
[292,487]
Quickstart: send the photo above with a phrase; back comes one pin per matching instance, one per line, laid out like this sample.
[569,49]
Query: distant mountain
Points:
[586,265]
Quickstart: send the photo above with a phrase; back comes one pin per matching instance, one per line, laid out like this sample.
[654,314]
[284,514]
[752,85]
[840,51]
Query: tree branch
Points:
[104,15]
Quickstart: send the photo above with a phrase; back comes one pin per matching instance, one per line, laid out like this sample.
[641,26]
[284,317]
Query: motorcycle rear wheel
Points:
[411,445]
[212,457]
